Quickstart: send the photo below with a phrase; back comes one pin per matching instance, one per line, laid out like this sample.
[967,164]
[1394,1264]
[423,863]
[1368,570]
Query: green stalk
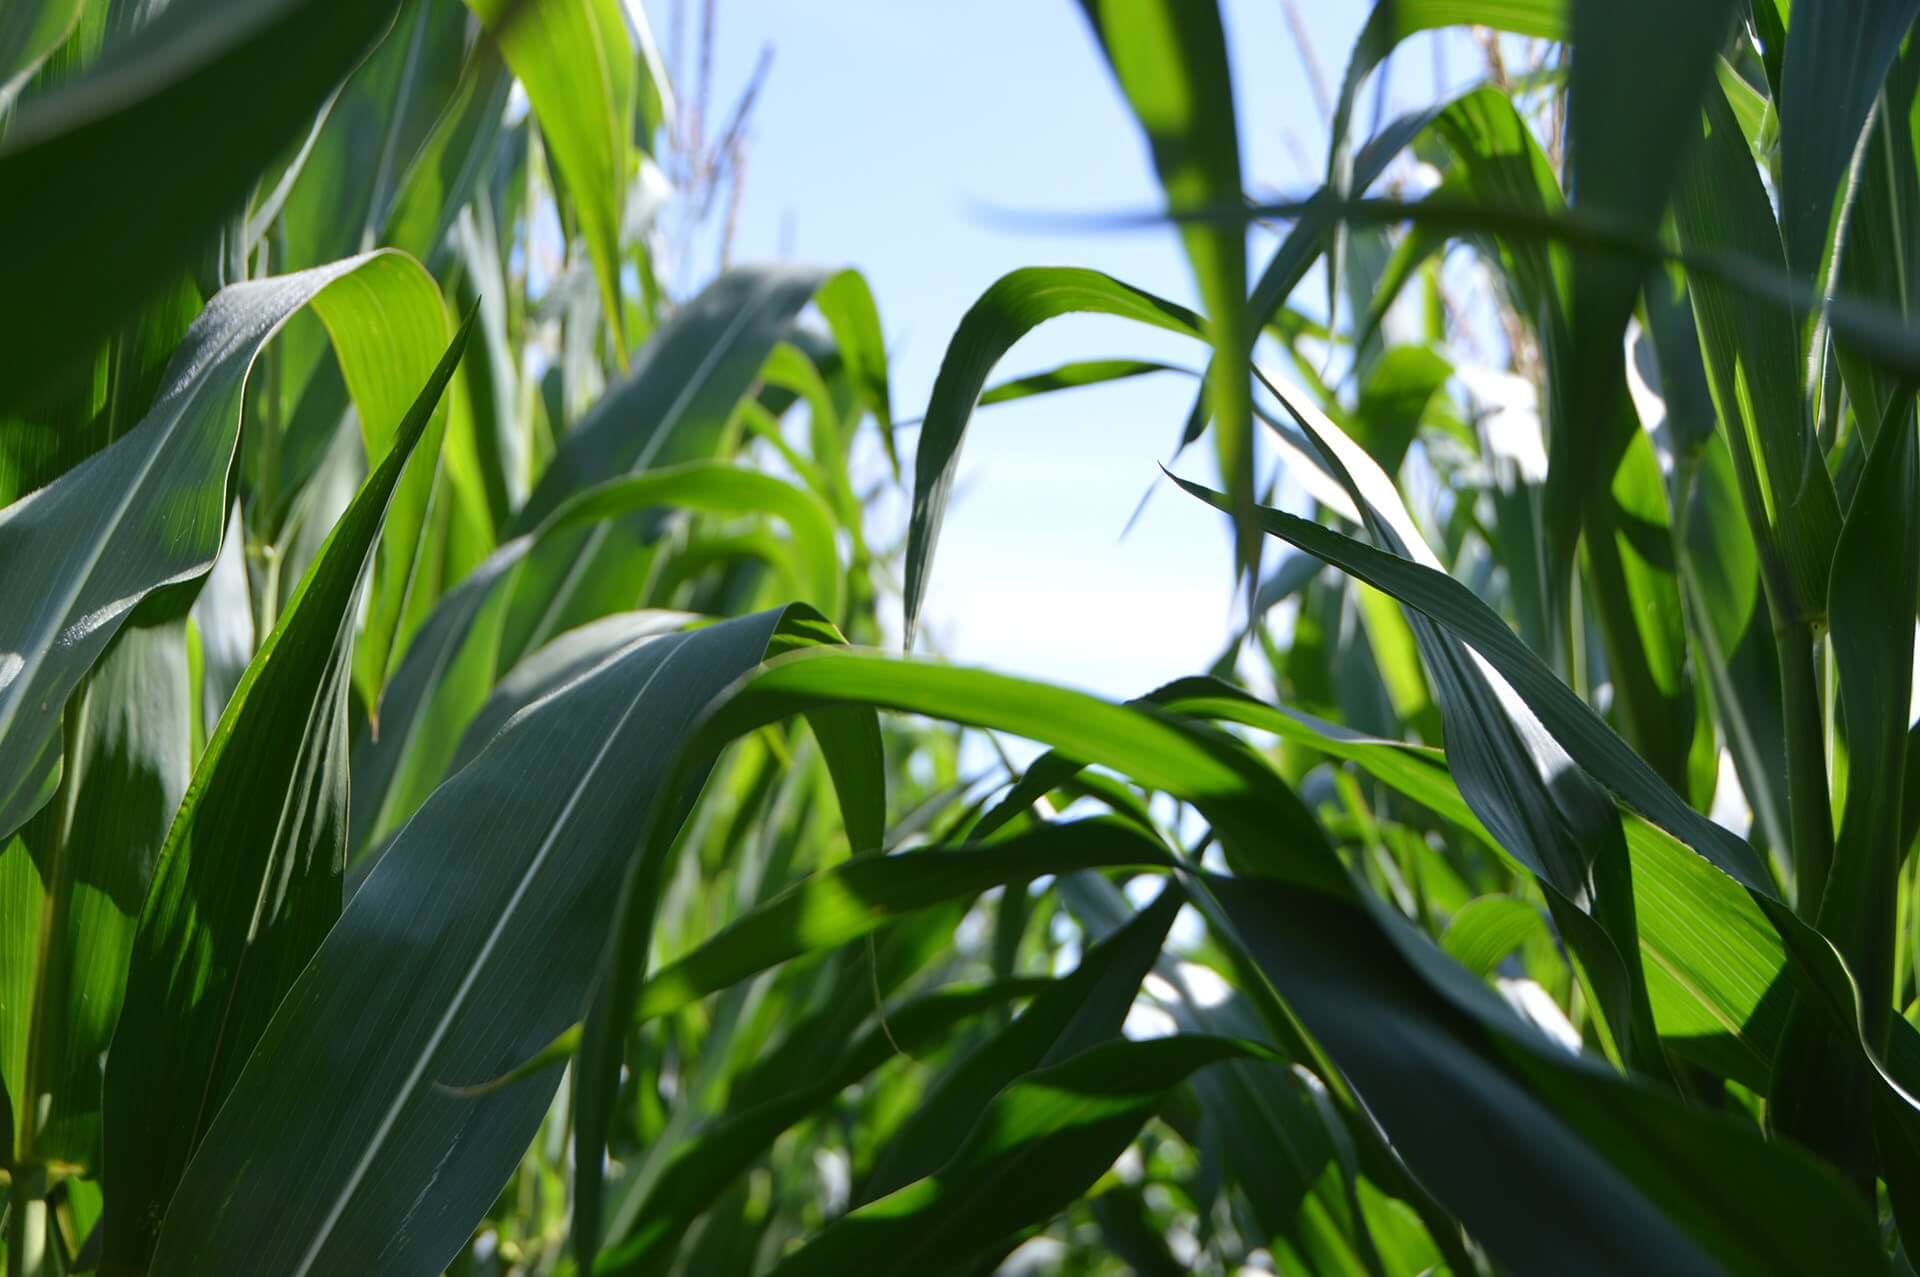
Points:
[1810,812]
[28,1253]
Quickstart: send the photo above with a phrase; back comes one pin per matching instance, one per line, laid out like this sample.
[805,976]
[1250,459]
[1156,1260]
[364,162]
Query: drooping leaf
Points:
[1506,1115]
[442,681]
[1571,722]
[1516,776]
[1821,975]
[148,510]
[1006,312]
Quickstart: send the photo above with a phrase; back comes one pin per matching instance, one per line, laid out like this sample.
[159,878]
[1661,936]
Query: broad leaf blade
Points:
[148,510]
[437,977]
[249,880]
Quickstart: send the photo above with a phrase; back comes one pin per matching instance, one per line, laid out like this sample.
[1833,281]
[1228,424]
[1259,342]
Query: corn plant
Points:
[461,814]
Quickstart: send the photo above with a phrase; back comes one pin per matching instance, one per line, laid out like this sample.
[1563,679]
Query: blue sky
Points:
[885,134]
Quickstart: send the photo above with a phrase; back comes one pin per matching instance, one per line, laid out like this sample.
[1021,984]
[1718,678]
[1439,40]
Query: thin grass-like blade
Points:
[1041,1143]
[1078,1013]
[701,1168]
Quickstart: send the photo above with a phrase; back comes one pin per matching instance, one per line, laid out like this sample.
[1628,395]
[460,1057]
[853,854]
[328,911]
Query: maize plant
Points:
[464,807]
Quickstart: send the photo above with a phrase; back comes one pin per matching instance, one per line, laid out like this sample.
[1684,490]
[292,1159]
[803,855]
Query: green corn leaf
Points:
[1715,966]
[1570,721]
[701,1168]
[1042,1142]
[438,977]
[73,880]
[1394,399]
[29,31]
[445,171]
[1196,763]
[1732,631]
[1821,975]
[1389,23]
[249,879]
[554,666]
[341,188]
[1624,523]
[1752,356]
[1836,58]
[1072,376]
[222,620]
[1487,930]
[98,255]
[1881,227]
[1015,305]
[846,303]
[1283,1141]
[1519,780]
[581,73]
[1305,243]
[148,510]
[442,680]
[1875,588]
[1153,750]
[1506,1115]
[1170,58]
[1624,157]
[1821,1096]
[856,897]
[413,327]
[86,414]
[673,405]
[1081,1011]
